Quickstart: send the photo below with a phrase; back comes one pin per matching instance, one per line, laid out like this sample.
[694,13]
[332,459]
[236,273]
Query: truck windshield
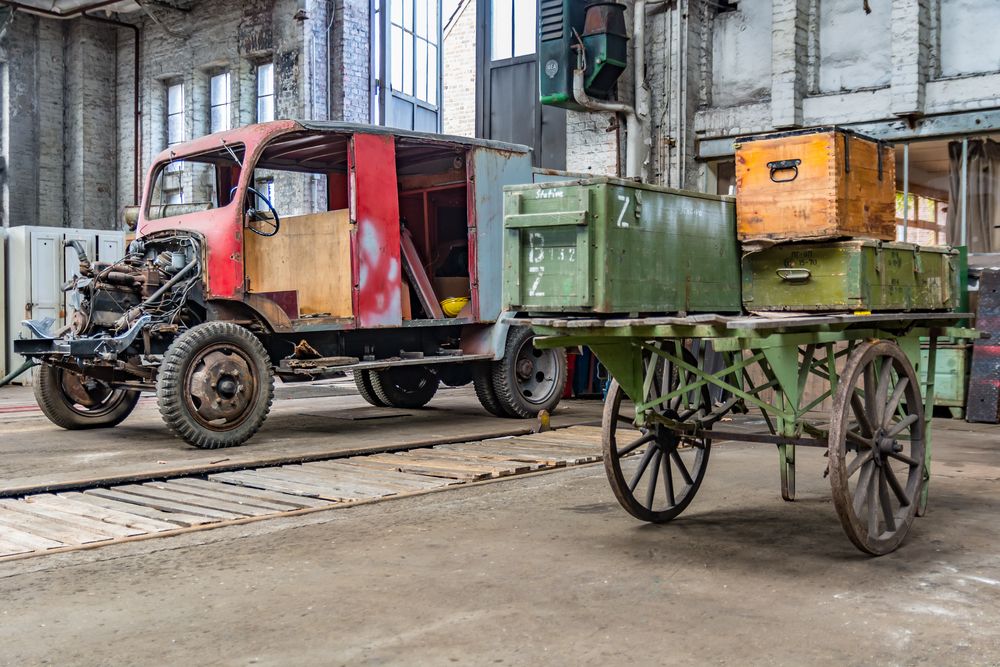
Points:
[196,183]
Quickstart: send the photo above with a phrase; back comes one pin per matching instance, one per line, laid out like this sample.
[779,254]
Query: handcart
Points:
[667,399]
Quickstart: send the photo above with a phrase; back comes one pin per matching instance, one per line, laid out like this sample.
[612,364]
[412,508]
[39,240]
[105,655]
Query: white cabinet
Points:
[38,263]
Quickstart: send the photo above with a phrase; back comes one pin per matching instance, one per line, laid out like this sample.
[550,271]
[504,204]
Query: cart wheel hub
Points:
[525,368]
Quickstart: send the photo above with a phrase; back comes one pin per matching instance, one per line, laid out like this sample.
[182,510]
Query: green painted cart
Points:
[666,404]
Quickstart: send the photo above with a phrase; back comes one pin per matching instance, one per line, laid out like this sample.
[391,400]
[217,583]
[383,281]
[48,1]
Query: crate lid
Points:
[872,243]
[825,129]
[621,182]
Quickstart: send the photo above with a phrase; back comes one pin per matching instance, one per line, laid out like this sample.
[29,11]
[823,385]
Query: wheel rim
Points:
[221,387]
[535,373]
[654,470]
[877,439]
[87,396]
[410,380]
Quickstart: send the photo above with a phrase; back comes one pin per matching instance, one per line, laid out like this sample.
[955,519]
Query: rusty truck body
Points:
[299,249]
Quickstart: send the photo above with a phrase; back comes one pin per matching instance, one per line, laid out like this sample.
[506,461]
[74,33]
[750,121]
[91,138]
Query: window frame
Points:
[382,85]
[512,53]
[162,169]
[273,95]
[168,114]
[214,104]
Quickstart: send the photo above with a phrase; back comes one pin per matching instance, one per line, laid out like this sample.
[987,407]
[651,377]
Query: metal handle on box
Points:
[794,275]
[784,165]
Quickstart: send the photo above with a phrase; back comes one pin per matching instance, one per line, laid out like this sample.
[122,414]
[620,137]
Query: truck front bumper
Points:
[43,344]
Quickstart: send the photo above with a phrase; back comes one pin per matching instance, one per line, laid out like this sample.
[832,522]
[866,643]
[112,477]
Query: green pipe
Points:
[30,363]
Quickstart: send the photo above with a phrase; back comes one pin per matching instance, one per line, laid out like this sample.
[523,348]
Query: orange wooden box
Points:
[815,184]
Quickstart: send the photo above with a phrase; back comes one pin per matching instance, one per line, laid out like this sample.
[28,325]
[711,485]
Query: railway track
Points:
[45,520]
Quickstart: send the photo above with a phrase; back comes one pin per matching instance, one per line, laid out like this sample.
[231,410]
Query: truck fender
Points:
[487,338]
[255,307]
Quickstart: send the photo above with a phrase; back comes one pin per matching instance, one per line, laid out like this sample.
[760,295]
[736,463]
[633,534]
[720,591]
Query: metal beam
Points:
[946,125]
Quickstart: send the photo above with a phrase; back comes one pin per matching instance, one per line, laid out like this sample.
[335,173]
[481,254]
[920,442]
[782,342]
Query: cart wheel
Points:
[363,381]
[73,401]
[215,385]
[876,441]
[407,387]
[639,461]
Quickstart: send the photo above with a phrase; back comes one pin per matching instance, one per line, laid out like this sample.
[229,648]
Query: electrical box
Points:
[599,27]
[38,263]
[557,19]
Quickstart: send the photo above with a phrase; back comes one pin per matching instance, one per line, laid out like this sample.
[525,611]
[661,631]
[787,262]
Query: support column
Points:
[789,37]
[910,35]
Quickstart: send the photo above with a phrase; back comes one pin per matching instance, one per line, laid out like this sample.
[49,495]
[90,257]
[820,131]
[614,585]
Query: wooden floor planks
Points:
[41,522]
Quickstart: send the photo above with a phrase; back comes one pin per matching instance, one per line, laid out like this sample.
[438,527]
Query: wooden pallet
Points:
[41,523]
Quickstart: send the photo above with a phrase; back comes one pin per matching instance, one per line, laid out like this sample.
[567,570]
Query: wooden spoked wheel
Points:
[876,442]
[655,471]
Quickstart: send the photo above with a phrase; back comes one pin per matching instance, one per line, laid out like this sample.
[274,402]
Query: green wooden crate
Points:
[856,275]
[606,245]
[950,370]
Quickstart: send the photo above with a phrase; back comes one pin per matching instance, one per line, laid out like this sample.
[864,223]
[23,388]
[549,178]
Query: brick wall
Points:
[459,71]
[68,121]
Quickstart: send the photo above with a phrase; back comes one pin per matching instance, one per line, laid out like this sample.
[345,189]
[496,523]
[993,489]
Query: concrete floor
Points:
[543,569]
[304,419]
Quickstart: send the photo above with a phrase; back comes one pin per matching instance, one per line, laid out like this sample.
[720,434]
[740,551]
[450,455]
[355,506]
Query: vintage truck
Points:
[298,249]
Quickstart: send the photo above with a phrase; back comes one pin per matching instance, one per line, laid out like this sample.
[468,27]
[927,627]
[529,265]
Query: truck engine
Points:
[156,278]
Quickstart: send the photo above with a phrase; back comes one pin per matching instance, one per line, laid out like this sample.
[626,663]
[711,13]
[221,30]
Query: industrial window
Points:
[221,102]
[175,114]
[172,192]
[926,222]
[414,38]
[406,64]
[265,92]
[514,28]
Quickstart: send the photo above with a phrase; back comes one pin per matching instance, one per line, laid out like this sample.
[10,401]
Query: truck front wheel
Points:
[215,385]
[528,380]
[74,402]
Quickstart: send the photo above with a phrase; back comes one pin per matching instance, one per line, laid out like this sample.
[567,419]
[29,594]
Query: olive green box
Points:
[607,245]
[855,275]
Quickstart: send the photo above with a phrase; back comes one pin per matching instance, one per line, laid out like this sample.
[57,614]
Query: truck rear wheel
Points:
[528,380]
[363,381]
[75,402]
[482,380]
[405,386]
[215,385]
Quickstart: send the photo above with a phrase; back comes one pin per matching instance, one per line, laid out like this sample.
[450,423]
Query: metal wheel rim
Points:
[535,373]
[79,399]
[664,457]
[212,404]
[876,481]
[410,380]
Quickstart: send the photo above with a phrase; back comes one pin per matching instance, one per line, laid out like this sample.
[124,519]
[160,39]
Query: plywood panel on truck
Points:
[311,255]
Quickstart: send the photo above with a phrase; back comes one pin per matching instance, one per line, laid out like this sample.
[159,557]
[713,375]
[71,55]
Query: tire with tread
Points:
[482,380]
[173,392]
[363,381]
[508,387]
[407,387]
[63,412]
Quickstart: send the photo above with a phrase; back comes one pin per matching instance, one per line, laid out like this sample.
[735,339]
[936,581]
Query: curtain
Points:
[982,195]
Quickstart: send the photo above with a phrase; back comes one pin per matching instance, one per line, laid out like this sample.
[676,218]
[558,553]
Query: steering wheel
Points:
[274,223]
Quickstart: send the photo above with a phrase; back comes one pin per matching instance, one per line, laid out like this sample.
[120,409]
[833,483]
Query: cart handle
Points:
[794,275]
